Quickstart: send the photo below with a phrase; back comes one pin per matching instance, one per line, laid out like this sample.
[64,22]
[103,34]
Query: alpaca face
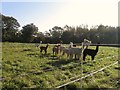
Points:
[86,43]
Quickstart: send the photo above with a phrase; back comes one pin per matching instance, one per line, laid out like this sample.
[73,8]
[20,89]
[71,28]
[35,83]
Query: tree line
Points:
[76,34]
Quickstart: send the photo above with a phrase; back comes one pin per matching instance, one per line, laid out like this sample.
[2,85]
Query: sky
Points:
[46,14]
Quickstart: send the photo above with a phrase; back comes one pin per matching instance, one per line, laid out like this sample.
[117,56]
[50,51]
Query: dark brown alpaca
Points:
[44,48]
[90,52]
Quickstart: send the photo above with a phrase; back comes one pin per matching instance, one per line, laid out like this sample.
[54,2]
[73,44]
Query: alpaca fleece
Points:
[42,48]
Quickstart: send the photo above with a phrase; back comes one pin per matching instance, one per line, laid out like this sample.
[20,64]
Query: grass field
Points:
[24,66]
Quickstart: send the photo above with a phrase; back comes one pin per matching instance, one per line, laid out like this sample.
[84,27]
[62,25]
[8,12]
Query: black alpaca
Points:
[90,52]
[44,48]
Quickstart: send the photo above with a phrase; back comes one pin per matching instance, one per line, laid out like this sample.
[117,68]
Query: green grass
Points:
[108,78]
[24,66]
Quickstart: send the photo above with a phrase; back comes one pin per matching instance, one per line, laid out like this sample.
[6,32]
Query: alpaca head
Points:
[40,42]
[47,45]
[71,44]
[98,43]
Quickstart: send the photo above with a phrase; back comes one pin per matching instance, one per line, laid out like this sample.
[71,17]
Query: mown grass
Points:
[24,66]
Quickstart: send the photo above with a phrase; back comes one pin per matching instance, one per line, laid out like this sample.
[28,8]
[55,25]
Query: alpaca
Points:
[72,50]
[44,48]
[38,44]
[61,49]
[90,52]
[66,51]
[72,45]
[56,49]
[86,43]
[75,51]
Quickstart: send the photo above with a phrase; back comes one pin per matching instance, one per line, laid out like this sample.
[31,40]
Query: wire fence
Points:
[47,70]
[86,75]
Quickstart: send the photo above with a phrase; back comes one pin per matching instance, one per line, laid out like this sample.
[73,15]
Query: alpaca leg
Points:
[83,46]
[79,57]
[60,51]
[75,56]
[63,53]
[53,52]
[92,57]
[86,46]
[67,55]
[56,52]
[45,51]
[40,50]
[84,56]
[71,56]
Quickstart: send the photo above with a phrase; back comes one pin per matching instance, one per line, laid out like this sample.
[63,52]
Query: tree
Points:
[118,40]
[9,28]
[56,33]
[28,32]
[39,37]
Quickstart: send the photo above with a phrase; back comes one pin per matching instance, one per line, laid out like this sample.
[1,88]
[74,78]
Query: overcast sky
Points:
[46,14]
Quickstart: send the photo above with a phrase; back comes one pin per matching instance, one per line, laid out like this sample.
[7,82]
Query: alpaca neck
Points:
[46,46]
[97,47]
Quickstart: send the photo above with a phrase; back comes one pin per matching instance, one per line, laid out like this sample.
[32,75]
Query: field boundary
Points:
[91,74]
[108,45]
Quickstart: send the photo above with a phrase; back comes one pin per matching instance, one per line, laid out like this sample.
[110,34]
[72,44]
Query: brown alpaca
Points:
[44,48]
[56,49]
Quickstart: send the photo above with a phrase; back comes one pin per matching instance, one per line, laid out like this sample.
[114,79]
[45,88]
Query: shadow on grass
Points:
[31,54]
[60,62]
[42,55]
[118,68]
[27,49]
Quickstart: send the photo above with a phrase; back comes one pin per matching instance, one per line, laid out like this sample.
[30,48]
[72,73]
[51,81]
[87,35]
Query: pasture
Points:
[24,67]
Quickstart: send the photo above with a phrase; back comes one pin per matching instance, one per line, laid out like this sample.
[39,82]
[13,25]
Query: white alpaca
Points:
[71,44]
[65,50]
[71,51]
[86,43]
[38,44]
[75,51]
[61,49]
